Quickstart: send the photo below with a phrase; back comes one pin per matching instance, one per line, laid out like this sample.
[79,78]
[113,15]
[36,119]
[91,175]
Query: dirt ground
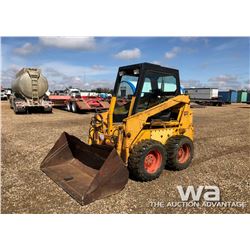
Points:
[222,158]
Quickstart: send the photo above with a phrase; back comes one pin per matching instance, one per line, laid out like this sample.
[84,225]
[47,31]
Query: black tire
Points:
[16,111]
[177,160]
[48,110]
[137,166]
[68,106]
[74,107]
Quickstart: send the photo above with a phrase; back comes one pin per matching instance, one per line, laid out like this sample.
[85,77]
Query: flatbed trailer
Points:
[86,104]
[77,104]
[59,101]
[208,102]
[204,96]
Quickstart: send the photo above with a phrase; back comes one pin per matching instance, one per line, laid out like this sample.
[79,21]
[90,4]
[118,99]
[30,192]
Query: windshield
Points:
[127,87]
[126,90]
[157,88]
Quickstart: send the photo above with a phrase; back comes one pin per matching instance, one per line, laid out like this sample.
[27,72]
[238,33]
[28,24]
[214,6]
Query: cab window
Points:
[126,90]
[157,88]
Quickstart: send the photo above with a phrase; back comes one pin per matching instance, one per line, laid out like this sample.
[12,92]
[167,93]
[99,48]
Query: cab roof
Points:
[149,66]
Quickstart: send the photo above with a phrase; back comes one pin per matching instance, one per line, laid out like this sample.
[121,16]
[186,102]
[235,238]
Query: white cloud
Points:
[61,75]
[52,72]
[222,82]
[8,75]
[76,43]
[223,78]
[227,81]
[188,38]
[156,62]
[75,70]
[192,83]
[229,45]
[98,68]
[102,83]
[26,49]
[172,53]
[79,82]
[192,39]
[247,84]
[129,54]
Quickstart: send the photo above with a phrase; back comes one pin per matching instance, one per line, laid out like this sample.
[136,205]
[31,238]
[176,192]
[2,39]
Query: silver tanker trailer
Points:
[29,90]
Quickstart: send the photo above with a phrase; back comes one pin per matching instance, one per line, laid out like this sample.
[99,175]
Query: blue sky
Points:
[89,62]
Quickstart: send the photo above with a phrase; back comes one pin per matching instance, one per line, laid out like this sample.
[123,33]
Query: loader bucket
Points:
[87,173]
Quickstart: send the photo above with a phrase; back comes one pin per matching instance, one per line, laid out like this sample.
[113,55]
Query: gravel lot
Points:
[222,158]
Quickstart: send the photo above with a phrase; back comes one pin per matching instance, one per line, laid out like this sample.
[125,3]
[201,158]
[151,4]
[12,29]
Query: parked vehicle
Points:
[242,96]
[29,90]
[91,103]
[204,96]
[248,97]
[8,92]
[58,98]
[228,96]
[3,95]
[75,101]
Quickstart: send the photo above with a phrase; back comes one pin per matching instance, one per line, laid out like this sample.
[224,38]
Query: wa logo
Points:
[209,193]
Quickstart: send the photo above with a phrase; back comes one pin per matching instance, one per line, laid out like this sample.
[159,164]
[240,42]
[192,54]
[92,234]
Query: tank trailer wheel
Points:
[180,151]
[17,112]
[49,111]
[147,160]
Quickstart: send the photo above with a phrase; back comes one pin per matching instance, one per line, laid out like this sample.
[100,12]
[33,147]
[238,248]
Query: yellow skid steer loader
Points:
[148,127]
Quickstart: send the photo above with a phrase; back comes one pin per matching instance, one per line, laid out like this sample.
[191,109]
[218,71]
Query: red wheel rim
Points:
[152,161]
[183,153]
